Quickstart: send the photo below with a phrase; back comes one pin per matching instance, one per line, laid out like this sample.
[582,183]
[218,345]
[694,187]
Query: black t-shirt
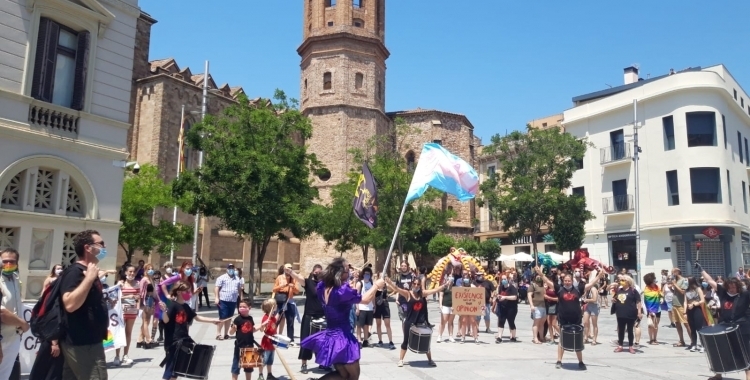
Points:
[180,318]
[488,289]
[245,326]
[569,302]
[627,301]
[732,309]
[312,303]
[416,311]
[404,282]
[87,325]
[510,291]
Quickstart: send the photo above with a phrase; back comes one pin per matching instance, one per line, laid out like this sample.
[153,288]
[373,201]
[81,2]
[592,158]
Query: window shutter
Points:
[82,64]
[46,54]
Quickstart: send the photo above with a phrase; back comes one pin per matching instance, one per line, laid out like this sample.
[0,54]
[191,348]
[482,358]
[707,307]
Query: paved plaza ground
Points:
[462,361]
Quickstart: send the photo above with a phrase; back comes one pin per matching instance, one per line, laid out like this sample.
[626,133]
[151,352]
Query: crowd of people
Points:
[354,303]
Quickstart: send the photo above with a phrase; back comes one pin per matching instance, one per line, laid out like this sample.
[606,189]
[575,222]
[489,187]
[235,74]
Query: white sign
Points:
[115,332]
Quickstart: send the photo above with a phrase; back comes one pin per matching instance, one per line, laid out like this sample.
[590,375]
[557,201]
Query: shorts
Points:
[268,357]
[236,363]
[382,311]
[226,309]
[486,313]
[539,312]
[365,318]
[592,309]
[567,322]
[446,310]
[678,315]
[669,306]
[552,309]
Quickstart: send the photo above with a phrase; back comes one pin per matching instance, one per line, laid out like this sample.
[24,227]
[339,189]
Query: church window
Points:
[359,23]
[358,80]
[327,81]
[380,90]
[358,3]
[324,175]
[410,161]
[305,88]
[330,3]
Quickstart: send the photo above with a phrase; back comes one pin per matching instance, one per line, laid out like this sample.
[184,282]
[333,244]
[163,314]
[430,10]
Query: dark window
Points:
[330,3]
[620,195]
[579,164]
[747,154]
[744,196]
[380,90]
[742,102]
[729,188]
[358,80]
[410,161]
[327,81]
[705,185]
[330,23]
[617,139]
[735,94]
[673,191]
[491,171]
[739,145]
[439,142]
[701,128]
[359,23]
[61,64]
[544,125]
[358,3]
[579,191]
[724,127]
[668,124]
[305,86]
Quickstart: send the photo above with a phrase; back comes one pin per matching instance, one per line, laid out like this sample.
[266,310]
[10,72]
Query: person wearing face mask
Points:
[506,308]
[313,309]
[131,289]
[228,287]
[12,326]
[364,312]
[712,300]
[538,309]
[244,327]
[157,323]
[54,274]
[679,314]
[628,310]
[203,286]
[85,310]
[404,280]
[489,288]
[185,274]
[148,301]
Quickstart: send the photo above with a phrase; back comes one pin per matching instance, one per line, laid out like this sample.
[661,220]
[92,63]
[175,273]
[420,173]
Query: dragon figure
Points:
[582,260]
[457,258]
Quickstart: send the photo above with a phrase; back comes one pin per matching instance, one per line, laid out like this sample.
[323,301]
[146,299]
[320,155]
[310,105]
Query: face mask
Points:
[731,294]
[188,272]
[130,277]
[103,279]
[150,272]
[366,277]
[467,281]
[623,283]
[315,276]
[568,287]
[719,283]
[169,270]
[230,272]
[505,282]
[480,278]
[10,268]
[102,254]
[744,287]
[704,284]
[244,311]
[58,271]
[418,292]
[186,296]
[578,274]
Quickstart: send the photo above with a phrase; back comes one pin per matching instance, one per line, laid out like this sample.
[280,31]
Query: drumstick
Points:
[286,366]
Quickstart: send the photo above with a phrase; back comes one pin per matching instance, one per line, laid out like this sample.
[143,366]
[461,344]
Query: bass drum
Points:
[725,349]
[193,361]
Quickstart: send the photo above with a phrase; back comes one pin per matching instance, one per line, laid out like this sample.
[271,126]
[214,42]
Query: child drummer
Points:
[177,318]
[270,321]
[245,327]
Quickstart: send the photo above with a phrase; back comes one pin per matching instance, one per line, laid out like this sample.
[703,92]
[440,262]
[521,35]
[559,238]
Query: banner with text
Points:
[115,332]
[467,301]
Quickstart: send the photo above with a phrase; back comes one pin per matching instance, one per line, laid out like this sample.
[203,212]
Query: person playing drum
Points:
[336,345]
[415,312]
[244,326]
[569,307]
[734,308]
[177,319]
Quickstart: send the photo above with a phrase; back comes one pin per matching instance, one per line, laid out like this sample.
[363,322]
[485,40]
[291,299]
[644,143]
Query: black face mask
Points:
[418,292]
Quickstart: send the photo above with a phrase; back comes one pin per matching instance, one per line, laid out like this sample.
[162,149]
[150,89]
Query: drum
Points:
[318,325]
[571,338]
[419,339]
[193,360]
[251,357]
[725,350]
[280,341]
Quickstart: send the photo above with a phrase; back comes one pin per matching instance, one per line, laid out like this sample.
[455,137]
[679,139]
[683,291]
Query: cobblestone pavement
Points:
[458,361]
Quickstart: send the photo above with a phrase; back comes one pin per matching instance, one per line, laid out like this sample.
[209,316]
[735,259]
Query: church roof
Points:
[169,67]
[421,111]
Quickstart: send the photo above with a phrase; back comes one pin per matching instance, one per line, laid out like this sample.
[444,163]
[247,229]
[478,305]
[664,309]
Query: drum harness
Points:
[176,346]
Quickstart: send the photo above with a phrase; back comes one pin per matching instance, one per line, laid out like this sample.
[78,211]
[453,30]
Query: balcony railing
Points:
[618,204]
[487,226]
[55,118]
[615,153]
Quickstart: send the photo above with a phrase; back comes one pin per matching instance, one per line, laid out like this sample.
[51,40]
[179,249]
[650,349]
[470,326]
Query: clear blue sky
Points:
[501,63]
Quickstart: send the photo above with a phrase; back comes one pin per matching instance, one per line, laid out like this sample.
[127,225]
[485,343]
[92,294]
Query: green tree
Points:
[142,195]
[488,250]
[533,174]
[568,223]
[440,245]
[469,245]
[256,177]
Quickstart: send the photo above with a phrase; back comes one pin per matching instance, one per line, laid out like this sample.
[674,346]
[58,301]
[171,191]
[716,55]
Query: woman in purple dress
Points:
[336,345]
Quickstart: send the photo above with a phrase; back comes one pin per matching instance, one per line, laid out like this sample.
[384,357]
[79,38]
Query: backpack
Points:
[47,317]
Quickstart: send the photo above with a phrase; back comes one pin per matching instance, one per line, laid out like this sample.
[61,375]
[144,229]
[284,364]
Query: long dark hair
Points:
[693,283]
[331,276]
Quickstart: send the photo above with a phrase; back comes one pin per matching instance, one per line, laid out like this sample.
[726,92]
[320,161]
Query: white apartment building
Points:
[66,72]
[694,127]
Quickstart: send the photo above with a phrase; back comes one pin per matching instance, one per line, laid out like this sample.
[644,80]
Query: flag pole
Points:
[179,167]
[393,242]
[200,163]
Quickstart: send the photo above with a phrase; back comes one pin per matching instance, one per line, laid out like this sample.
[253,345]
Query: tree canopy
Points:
[142,195]
[533,175]
[256,176]
[568,223]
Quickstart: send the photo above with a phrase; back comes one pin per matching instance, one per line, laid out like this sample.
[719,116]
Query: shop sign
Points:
[712,232]
[621,236]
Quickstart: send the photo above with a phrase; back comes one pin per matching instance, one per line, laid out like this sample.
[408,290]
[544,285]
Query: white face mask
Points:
[169,270]
[58,271]
[130,277]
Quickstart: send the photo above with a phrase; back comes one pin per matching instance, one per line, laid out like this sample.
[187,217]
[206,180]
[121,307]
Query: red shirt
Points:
[266,343]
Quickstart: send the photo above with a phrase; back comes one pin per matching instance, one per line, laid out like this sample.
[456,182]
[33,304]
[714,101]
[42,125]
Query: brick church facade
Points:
[342,91]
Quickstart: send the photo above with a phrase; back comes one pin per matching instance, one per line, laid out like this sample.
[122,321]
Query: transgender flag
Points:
[444,171]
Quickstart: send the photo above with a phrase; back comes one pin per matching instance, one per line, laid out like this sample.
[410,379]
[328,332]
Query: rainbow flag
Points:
[109,343]
[444,171]
[652,298]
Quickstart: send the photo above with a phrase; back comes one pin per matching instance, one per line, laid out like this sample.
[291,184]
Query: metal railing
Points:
[618,203]
[617,152]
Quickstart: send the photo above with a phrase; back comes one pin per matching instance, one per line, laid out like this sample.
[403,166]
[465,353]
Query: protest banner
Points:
[468,301]
[115,332]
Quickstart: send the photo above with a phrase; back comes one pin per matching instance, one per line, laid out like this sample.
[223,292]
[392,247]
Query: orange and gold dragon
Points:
[457,258]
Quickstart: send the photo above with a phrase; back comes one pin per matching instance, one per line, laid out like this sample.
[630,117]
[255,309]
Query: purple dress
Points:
[336,344]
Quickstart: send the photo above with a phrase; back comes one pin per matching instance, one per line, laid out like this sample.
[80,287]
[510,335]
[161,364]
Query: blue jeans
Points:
[268,357]
[236,363]
[226,309]
[169,366]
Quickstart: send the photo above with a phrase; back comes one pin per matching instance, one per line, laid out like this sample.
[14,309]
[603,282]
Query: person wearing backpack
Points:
[84,311]
[14,325]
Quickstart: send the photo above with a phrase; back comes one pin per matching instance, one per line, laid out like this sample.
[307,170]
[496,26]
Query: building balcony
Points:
[615,155]
[487,226]
[53,118]
[619,204]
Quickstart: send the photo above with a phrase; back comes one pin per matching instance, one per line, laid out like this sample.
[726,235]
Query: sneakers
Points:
[400,363]
[117,362]
[700,348]
[463,340]
[450,339]
[365,343]
[440,339]
[431,363]
[693,348]
[260,377]
[513,340]
[391,346]
[558,365]
[303,369]
[126,360]
[498,340]
[581,366]
[271,377]
[476,340]
[380,344]
[488,331]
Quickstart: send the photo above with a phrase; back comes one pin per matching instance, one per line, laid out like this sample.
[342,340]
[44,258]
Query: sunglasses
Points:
[10,261]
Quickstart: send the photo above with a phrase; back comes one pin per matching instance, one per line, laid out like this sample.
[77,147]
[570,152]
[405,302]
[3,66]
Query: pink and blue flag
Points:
[444,171]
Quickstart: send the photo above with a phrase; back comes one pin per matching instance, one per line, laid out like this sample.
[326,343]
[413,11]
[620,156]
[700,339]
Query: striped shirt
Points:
[229,287]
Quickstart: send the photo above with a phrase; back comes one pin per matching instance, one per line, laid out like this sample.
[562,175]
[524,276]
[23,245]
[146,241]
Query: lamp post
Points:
[200,164]
[637,151]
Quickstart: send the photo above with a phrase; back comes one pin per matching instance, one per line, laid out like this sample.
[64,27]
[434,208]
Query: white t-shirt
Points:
[366,286]
[194,299]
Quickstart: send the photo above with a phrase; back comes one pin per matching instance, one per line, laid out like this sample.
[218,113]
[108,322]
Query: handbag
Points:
[281,298]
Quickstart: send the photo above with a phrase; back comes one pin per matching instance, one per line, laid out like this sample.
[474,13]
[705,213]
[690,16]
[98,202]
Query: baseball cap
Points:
[230,266]
[287,265]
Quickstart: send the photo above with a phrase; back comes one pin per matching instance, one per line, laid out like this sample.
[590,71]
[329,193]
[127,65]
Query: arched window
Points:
[327,81]
[380,90]
[358,22]
[44,189]
[410,161]
[358,80]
